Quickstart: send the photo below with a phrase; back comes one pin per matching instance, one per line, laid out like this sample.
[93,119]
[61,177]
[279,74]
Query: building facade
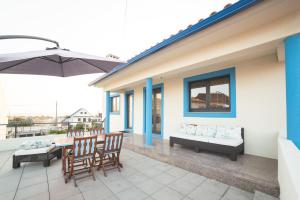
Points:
[81,116]
[240,66]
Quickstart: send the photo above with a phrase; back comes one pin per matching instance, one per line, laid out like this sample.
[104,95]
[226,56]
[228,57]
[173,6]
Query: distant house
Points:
[81,116]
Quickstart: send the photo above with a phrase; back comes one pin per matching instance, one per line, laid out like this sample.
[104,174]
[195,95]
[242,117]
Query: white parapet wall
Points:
[14,143]
[3,114]
[288,169]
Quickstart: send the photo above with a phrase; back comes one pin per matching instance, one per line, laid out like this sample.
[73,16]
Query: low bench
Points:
[230,147]
[36,155]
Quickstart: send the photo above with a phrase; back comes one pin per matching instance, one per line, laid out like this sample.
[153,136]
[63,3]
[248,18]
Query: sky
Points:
[97,27]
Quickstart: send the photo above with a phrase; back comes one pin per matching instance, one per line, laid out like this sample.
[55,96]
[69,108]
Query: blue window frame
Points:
[126,110]
[115,104]
[205,79]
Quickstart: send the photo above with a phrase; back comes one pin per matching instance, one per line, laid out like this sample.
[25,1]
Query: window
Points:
[115,104]
[90,119]
[84,119]
[210,95]
[79,119]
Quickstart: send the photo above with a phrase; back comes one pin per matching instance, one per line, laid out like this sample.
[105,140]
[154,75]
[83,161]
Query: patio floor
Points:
[250,173]
[141,178]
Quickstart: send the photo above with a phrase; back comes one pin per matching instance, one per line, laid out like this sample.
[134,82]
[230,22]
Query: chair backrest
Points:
[96,131]
[84,146]
[113,142]
[75,133]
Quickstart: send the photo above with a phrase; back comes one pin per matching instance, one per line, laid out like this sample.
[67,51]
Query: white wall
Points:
[117,120]
[260,104]
[288,170]
[260,97]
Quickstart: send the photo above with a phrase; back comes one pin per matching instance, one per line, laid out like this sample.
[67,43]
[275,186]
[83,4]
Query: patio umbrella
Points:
[54,62]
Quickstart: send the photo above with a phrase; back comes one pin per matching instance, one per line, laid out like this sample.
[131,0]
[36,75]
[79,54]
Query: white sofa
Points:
[222,139]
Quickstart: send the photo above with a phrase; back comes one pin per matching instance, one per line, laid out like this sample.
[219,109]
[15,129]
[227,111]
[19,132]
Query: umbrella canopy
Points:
[54,62]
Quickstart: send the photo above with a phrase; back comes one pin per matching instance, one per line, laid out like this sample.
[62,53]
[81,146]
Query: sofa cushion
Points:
[191,137]
[35,144]
[227,142]
[34,151]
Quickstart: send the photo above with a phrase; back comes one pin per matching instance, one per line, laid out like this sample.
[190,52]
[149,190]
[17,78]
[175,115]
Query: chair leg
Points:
[75,184]
[100,162]
[118,161]
[91,168]
[71,169]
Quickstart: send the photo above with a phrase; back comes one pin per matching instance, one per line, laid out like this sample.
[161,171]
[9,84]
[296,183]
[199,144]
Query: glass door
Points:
[129,111]
[156,111]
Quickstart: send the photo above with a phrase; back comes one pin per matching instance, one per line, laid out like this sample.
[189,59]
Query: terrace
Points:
[156,172]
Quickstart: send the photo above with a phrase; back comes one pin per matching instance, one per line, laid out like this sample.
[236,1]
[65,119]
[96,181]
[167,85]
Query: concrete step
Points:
[262,196]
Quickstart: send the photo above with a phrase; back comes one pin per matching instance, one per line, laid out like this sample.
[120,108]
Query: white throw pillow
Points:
[234,132]
[221,132]
[211,131]
[201,130]
[190,129]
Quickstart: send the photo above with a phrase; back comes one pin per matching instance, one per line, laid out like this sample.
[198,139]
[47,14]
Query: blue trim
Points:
[161,86]
[126,110]
[107,112]
[111,96]
[292,70]
[202,25]
[149,111]
[231,114]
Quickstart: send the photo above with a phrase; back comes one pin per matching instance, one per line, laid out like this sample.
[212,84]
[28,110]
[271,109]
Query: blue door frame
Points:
[161,86]
[131,92]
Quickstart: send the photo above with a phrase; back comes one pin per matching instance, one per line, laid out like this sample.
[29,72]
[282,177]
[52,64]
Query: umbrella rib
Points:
[92,65]
[49,59]
[69,60]
[17,64]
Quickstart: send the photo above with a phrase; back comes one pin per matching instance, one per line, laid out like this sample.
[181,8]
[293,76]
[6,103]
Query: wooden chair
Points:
[110,153]
[96,131]
[75,133]
[83,157]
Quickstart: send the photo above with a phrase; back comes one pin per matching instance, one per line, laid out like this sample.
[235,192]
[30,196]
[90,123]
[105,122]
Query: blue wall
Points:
[161,86]
[107,111]
[292,68]
[149,111]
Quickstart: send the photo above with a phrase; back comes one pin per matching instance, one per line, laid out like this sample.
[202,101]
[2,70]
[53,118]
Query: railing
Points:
[38,129]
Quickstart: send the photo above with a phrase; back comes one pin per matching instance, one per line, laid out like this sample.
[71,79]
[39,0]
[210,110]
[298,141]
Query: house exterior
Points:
[81,116]
[3,114]
[240,66]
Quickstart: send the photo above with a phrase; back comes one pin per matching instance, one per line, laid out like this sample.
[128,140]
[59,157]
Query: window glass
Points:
[115,104]
[219,93]
[198,95]
[210,95]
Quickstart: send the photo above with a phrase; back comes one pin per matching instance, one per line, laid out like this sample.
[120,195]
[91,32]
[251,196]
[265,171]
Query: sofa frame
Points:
[231,151]
[41,157]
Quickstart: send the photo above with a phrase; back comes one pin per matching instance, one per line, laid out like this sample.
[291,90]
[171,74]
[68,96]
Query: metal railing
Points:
[38,129]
